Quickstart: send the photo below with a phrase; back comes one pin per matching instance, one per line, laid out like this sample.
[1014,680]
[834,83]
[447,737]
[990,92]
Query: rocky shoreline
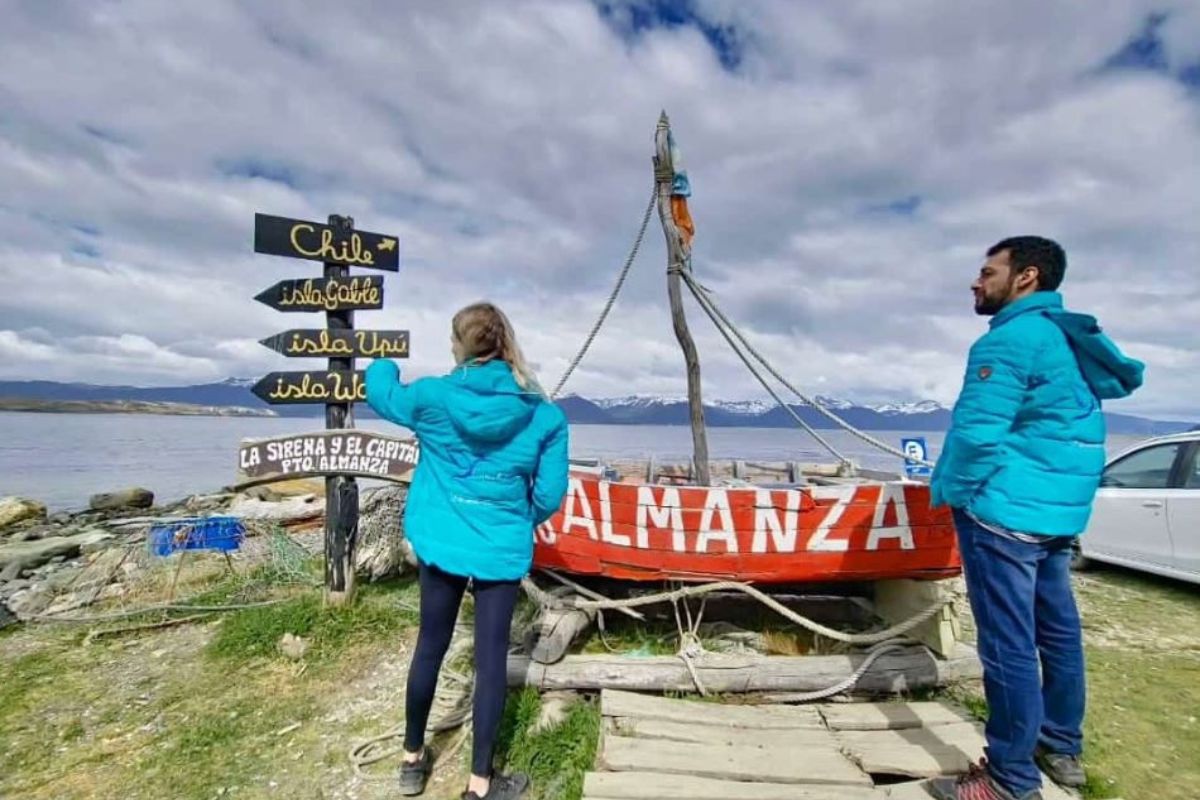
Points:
[51,564]
[38,405]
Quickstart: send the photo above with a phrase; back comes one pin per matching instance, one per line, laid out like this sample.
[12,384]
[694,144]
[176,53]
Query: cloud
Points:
[851,162]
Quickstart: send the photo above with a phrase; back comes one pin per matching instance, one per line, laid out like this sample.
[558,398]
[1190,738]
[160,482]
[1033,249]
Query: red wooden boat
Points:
[850,532]
[837,530]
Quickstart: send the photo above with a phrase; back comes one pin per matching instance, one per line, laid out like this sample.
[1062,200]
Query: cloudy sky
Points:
[850,162]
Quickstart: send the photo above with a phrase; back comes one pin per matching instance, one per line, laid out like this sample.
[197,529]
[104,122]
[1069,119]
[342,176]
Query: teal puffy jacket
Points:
[1025,448]
[493,465]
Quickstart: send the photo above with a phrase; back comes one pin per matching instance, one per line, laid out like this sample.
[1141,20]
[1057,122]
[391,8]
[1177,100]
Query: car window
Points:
[1192,477]
[1145,469]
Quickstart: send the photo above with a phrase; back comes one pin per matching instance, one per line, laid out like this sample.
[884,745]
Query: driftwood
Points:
[903,670]
[557,628]
[677,259]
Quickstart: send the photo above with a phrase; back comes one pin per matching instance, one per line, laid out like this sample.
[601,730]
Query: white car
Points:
[1147,513]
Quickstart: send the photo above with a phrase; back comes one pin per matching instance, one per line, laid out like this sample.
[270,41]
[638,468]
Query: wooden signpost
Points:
[346,452]
[325,294]
[339,453]
[336,243]
[357,344]
[319,386]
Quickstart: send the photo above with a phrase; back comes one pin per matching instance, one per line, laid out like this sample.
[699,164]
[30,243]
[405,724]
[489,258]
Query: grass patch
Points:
[555,758]
[253,633]
[1143,724]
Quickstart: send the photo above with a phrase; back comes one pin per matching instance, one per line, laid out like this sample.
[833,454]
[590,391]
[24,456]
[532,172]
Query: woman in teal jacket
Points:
[493,466]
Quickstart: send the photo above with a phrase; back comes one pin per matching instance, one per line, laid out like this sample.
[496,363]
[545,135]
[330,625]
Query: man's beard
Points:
[989,306]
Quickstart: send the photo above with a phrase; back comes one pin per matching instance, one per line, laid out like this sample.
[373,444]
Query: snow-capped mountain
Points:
[924,415]
[758,413]
[923,407]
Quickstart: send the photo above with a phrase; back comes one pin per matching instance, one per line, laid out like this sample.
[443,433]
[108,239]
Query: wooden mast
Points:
[678,258]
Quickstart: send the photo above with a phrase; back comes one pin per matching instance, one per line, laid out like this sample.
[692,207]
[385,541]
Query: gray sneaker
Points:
[1063,769]
[414,776]
[503,787]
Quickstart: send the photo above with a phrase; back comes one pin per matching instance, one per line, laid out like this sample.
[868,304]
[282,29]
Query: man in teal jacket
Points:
[1020,469]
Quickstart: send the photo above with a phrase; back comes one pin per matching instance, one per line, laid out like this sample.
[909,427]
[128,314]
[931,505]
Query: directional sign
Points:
[336,452]
[325,294]
[346,343]
[296,238]
[915,450]
[320,386]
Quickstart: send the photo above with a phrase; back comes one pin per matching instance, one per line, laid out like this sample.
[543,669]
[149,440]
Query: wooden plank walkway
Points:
[654,748]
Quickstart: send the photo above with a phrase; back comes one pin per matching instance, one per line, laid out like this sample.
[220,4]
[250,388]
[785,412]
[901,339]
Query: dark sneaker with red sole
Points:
[977,784]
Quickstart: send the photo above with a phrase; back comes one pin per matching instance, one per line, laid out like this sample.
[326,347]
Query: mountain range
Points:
[632,410]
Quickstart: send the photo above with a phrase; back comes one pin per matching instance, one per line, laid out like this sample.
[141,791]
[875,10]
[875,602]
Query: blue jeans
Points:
[1025,614]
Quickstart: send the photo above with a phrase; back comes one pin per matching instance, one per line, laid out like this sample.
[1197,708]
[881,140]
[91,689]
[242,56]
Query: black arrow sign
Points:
[320,386]
[297,238]
[325,294]
[343,343]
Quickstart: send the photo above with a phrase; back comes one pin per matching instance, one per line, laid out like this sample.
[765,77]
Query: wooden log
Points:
[900,671]
[677,258]
[782,764]
[664,786]
[557,629]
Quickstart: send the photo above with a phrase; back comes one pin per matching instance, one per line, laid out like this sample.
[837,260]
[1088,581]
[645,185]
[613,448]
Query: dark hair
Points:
[1034,251]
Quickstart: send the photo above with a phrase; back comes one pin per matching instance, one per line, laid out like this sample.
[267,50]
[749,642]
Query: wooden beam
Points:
[677,258]
[557,629]
[900,671]
[783,764]
[663,786]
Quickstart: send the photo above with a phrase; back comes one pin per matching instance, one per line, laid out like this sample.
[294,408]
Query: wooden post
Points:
[678,259]
[341,491]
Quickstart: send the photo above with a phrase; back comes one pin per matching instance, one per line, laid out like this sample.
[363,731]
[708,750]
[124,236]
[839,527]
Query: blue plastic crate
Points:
[197,533]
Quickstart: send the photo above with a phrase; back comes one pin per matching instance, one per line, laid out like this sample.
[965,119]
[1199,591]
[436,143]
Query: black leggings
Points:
[441,594]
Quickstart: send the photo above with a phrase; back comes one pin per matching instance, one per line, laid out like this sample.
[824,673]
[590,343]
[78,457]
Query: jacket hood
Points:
[485,403]
[1109,372]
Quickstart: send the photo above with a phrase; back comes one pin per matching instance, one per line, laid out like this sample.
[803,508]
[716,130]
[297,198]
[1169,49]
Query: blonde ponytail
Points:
[483,333]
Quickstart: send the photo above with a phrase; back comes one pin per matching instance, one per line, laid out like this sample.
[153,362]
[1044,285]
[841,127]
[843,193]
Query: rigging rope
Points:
[699,290]
[706,305]
[705,297]
[612,298]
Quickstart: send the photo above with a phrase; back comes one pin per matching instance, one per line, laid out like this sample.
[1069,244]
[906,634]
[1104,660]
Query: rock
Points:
[31,554]
[12,571]
[25,532]
[28,603]
[287,512]
[293,646]
[127,498]
[61,518]
[90,548]
[206,503]
[282,490]
[7,617]
[62,579]
[14,586]
[19,509]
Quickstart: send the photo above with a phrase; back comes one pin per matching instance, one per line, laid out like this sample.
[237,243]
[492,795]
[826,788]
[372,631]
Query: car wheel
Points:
[1079,562]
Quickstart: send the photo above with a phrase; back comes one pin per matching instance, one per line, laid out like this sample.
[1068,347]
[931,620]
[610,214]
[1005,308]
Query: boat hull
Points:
[854,532]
